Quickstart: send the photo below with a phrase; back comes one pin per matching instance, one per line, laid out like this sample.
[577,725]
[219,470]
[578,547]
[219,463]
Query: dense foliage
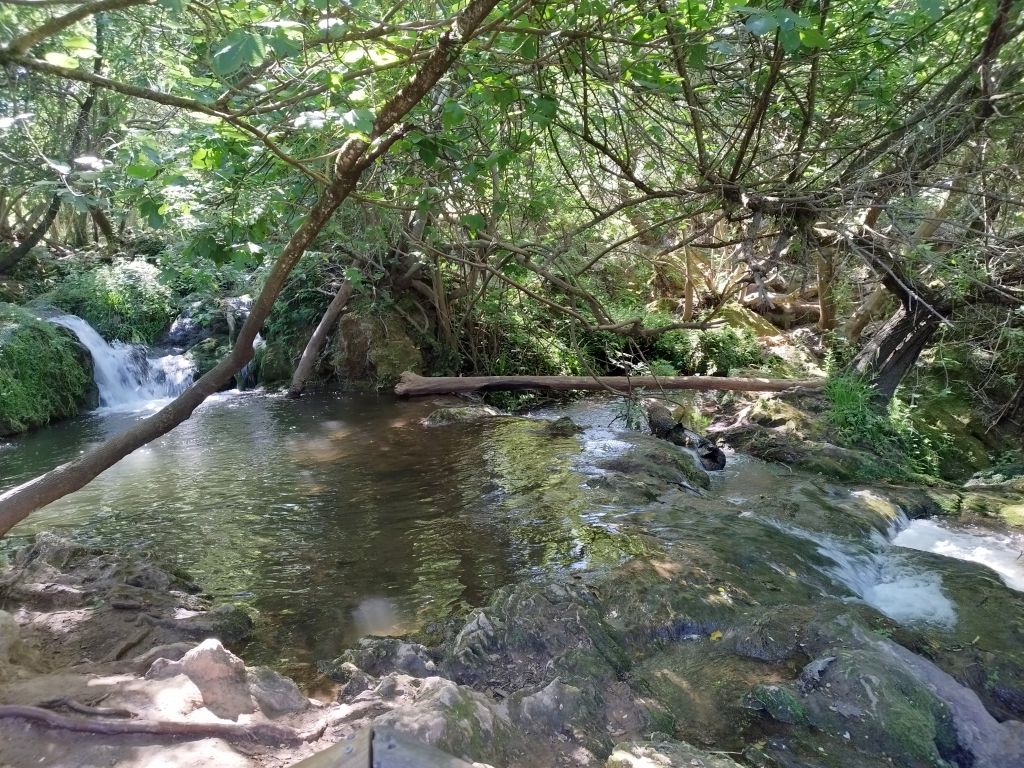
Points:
[588,187]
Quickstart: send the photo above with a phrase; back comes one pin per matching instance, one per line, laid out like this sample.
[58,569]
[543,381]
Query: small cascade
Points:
[881,575]
[126,378]
[1002,552]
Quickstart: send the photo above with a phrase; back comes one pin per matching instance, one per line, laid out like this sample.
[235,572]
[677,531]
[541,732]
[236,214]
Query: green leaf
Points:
[761,24]
[61,60]
[358,120]
[790,39]
[812,38]
[174,6]
[474,222]
[283,45]
[543,109]
[931,8]
[237,50]
[453,114]
[204,159]
[697,57]
[144,172]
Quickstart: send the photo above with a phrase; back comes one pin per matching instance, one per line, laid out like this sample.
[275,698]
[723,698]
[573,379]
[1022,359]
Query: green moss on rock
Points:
[44,374]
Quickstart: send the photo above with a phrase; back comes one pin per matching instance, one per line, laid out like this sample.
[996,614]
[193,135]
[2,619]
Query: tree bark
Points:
[352,159]
[892,352]
[12,257]
[868,310]
[826,299]
[412,385]
[318,339]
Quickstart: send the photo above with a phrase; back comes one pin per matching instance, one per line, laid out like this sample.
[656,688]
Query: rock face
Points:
[373,350]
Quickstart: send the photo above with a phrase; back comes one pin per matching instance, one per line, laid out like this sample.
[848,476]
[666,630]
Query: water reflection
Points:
[333,516]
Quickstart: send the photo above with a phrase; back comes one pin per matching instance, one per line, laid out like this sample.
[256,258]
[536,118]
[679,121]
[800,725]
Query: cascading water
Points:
[127,379]
[1002,552]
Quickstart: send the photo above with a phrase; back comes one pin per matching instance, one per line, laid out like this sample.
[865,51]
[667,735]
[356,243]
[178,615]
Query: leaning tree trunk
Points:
[892,352]
[318,339]
[354,156]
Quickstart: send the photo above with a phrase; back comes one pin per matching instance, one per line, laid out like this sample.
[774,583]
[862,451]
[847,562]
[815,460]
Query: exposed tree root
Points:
[262,733]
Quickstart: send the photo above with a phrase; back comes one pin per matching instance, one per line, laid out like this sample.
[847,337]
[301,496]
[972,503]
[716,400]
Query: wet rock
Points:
[454,718]
[207,353]
[653,462]
[219,675]
[230,624]
[378,655]
[665,754]
[276,695]
[778,702]
[563,427]
[460,414]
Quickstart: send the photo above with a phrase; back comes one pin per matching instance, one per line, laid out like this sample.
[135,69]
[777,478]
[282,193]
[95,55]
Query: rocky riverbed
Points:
[758,618]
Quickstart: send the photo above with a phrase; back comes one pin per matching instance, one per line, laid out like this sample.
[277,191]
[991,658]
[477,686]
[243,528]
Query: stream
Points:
[338,516]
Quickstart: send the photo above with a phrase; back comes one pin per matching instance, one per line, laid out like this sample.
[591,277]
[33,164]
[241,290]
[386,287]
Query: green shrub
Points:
[125,301]
[42,376]
[892,433]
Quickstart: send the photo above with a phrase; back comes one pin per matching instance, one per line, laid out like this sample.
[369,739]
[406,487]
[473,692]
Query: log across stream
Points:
[413,385]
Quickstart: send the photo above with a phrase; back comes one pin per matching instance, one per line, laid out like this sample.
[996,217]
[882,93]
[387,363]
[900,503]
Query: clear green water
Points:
[333,516]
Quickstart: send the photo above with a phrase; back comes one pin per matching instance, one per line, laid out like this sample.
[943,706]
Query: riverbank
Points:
[766,615]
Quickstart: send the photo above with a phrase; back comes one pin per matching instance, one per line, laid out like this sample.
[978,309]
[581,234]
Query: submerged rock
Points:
[460,414]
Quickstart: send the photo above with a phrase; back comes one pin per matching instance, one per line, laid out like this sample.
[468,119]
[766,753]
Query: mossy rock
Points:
[650,459]
[742,318]
[207,353]
[45,374]
[373,350]
[460,414]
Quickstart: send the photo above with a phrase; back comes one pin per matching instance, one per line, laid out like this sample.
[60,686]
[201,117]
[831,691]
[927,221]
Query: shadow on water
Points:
[333,516]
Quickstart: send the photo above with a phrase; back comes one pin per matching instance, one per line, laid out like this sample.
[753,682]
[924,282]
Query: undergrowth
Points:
[126,301]
[859,421]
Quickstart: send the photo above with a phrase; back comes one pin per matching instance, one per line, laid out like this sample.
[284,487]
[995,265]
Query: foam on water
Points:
[126,378]
[883,577]
[1002,552]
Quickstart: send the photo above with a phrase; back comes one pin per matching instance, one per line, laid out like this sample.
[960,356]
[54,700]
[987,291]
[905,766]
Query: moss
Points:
[373,349]
[778,702]
[207,353]
[124,301]
[44,374]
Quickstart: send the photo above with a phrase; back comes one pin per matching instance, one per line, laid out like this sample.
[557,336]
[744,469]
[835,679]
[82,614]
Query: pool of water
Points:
[333,516]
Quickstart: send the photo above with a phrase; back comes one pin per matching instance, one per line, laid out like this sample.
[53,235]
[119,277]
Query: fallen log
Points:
[412,385]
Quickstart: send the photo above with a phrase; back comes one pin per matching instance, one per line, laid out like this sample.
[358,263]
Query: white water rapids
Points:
[1002,552]
[127,379]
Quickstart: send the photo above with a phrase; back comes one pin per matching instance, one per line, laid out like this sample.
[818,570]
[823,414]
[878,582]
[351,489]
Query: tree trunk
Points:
[892,352]
[826,298]
[354,156]
[318,339]
[411,385]
[12,257]
[868,310]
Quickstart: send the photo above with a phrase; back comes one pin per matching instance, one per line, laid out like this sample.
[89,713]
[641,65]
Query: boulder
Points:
[219,675]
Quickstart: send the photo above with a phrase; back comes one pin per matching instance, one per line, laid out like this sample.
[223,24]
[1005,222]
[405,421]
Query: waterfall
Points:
[127,379]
